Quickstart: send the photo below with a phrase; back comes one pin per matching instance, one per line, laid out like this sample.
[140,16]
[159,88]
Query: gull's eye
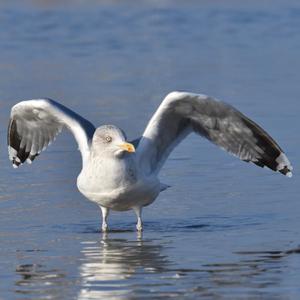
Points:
[108,139]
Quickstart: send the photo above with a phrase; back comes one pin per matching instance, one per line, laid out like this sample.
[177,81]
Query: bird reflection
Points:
[119,268]
[37,278]
[110,263]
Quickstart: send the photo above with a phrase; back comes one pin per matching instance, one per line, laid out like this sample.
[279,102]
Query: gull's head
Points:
[111,140]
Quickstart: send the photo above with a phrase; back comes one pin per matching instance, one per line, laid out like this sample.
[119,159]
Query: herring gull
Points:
[118,175]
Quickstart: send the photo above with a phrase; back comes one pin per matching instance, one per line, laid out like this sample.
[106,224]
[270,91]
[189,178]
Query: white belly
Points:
[118,187]
[138,194]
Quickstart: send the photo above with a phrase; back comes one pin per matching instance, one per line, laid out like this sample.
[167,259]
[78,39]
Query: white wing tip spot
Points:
[284,163]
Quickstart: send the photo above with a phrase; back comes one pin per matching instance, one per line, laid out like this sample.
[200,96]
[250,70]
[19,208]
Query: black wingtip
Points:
[286,171]
[280,164]
[17,155]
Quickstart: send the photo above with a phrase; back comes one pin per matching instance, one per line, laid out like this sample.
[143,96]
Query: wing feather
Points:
[34,124]
[181,113]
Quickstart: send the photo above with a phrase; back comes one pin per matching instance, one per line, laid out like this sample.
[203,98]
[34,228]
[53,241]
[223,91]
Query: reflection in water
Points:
[38,280]
[253,273]
[111,268]
[123,269]
[115,268]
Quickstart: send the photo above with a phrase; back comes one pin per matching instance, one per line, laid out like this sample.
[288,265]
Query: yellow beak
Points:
[127,147]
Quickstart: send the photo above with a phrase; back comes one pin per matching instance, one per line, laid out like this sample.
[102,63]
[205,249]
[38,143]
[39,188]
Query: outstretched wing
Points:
[34,124]
[181,113]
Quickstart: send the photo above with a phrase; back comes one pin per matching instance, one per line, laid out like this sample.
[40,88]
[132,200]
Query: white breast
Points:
[116,183]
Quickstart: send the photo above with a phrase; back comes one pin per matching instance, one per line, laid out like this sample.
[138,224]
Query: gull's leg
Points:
[138,212]
[105,212]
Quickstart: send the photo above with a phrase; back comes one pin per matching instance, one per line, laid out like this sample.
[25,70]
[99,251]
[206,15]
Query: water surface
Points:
[226,229]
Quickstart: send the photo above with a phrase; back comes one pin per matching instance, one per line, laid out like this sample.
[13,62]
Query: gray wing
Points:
[181,113]
[34,124]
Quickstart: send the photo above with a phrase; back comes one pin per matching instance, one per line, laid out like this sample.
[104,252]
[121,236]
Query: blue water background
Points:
[226,229]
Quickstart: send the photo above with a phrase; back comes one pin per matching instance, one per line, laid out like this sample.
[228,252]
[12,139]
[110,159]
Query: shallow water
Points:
[226,229]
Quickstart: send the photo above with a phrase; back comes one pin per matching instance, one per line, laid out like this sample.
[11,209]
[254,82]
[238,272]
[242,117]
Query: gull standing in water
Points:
[118,175]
